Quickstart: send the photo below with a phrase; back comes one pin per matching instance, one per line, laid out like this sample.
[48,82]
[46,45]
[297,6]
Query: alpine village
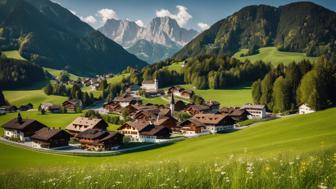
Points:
[103,101]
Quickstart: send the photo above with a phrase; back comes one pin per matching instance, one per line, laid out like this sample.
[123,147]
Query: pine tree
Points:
[281,95]
[2,98]
[256,91]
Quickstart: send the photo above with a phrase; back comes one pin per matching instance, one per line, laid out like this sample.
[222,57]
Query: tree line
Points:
[17,73]
[284,88]
[73,92]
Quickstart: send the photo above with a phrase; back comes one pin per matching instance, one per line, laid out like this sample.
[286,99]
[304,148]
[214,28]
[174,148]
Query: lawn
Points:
[271,54]
[96,93]
[289,136]
[293,152]
[155,100]
[177,66]
[226,97]
[117,78]
[36,97]
[13,54]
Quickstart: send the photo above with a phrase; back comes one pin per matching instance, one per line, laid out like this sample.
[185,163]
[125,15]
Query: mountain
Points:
[300,27]
[161,39]
[49,35]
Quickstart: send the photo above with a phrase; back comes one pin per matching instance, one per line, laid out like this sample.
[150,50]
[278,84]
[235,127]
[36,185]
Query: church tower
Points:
[172,104]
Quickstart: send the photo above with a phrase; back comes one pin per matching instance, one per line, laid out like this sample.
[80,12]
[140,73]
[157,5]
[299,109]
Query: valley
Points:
[167,95]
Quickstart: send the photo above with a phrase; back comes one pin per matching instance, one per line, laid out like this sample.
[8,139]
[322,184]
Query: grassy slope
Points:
[117,78]
[56,73]
[271,54]
[13,54]
[155,100]
[177,66]
[36,97]
[227,97]
[288,136]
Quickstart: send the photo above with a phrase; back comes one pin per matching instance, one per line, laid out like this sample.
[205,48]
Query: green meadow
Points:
[36,97]
[226,97]
[294,152]
[56,73]
[14,54]
[271,54]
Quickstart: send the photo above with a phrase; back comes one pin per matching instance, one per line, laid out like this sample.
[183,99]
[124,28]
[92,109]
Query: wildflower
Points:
[118,182]
[87,177]
[322,186]
[291,163]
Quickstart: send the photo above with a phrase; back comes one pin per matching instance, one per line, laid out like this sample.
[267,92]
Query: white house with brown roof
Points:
[144,131]
[81,124]
[305,109]
[256,110]
[215,123]
[150,85]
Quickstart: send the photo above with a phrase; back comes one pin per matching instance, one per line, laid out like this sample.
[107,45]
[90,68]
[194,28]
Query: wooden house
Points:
[72,105]
[215,123]
[126,99]
[50,138]
[196,109]
[236,113]
[144,131]
[21,129]
[99,140]
[81,124]
[256,110]
[192,127]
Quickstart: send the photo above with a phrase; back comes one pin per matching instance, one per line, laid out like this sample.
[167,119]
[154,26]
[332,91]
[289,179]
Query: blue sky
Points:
[196,14]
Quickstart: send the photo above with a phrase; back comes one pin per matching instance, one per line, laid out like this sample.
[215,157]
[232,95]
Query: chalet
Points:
[50,138]
[144,131]
[187,94]
[181,92]
[256,111]
[72,105]
[305,109]
[45,106]
[236,114]
[126,99]
[150,85]
[215,123]
[179,105]
[81,124]
[21,129]
[55,109]
[213,105]
[26,107]
[167,121]
[133,90]
[192,127]
[98,140]
[196,109]
[112,106]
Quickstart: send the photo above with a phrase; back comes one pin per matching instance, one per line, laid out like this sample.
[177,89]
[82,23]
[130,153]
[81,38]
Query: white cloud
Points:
[89,19]
[140,23]
[106,14]
[182,16]
[203,26]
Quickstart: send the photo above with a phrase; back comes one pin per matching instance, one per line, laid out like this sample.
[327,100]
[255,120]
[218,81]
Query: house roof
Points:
[125,98]
[47,133]
[154,131]
[73,101]
[148,81]
[194,121]
[90,123]
[95,134]
[17,125]
[212,119]
[199,107]
[137,124]
[253,106]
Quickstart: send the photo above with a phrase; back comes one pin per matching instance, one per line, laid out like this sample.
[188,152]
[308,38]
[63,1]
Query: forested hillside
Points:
[300,27]
[49,35]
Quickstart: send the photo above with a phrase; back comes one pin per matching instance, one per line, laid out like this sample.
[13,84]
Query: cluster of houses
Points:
[94,83]
[91,133]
